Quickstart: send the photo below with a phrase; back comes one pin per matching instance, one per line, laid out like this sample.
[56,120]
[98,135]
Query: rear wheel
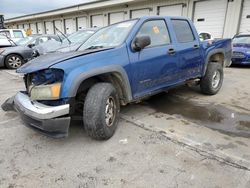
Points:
[13,61]
[101,111]
[213,79]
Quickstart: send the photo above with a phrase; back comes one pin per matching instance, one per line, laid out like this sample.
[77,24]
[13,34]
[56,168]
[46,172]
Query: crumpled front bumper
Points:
[52,121]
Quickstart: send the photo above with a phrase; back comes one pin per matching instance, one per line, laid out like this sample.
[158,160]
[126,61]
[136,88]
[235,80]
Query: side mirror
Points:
[141,42]
[31,45]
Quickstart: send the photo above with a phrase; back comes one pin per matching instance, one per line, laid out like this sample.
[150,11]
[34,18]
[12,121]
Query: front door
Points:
[155,66]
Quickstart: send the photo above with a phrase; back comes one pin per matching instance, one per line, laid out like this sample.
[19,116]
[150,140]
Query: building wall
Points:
[231,23]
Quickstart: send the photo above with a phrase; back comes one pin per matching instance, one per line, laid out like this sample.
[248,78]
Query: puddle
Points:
[212,116]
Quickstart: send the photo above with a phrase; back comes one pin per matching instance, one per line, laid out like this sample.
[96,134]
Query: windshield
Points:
[79,36]
[110,36]
[242,39]
[24,41]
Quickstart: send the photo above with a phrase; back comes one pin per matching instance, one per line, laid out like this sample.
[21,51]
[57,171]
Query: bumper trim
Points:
[53,121]
[38,110]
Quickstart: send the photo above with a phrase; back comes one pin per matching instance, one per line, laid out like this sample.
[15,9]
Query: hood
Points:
[48,60]
[16,48]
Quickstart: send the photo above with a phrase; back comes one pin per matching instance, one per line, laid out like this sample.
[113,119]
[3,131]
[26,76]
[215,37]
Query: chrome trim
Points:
[38,110]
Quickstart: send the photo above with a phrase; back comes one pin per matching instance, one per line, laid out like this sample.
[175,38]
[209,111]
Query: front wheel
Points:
[212,81]
[101,111]
[13,61]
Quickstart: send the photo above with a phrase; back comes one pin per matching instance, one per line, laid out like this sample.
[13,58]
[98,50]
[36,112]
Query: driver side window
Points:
[157,31]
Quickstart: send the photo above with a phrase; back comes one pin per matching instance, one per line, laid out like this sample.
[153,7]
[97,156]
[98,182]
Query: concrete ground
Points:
[177,139]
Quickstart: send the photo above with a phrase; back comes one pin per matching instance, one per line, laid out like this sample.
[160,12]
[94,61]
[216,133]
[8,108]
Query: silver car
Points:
[22,51]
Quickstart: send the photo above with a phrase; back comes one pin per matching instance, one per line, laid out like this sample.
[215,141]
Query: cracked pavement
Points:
[161,149]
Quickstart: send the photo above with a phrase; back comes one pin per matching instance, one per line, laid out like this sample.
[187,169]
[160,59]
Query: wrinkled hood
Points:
[48,60]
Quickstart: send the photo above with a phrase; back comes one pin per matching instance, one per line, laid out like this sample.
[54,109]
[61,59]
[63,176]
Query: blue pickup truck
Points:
[120,64]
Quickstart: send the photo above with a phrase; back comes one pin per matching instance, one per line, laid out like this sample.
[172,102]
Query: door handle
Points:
[171,51]
[196,46]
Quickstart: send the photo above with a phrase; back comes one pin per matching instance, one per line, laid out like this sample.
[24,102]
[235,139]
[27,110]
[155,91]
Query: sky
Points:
[14,8]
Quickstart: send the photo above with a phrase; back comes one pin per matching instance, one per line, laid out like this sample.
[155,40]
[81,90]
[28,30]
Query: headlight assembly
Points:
[45,92]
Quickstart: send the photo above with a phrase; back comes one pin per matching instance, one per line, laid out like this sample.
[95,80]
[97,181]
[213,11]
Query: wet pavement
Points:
[211,115]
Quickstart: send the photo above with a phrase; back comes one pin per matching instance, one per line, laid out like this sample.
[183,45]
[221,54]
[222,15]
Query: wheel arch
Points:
[217,55]
[111,74]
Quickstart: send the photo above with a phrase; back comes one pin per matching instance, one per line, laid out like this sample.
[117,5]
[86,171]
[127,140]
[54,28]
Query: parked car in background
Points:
[22,50]
[119,64]
[5,42]
[241,49]
[69,43]
[14,34]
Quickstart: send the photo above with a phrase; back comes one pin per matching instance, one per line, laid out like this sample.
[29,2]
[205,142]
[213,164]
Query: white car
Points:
[14,34]
[5,42]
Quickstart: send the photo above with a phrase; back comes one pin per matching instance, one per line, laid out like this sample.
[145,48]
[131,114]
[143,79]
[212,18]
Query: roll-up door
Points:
[49,27]
[140,13]
[70,26]
[20,26]
[40,28]
[209,16]
[116,17]
[97,20]
[245,18]
[170,10]
[58,25]
[81,23]
[33,28]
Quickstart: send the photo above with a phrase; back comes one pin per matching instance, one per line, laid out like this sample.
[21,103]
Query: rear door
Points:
[188,49]
[154,67]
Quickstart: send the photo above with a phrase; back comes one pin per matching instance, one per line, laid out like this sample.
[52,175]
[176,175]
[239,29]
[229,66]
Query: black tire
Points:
[212,81]
[14,61]
[94,111]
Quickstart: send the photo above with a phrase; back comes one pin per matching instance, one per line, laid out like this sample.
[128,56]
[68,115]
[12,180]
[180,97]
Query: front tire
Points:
[212,81]
[101,111]
[13,61]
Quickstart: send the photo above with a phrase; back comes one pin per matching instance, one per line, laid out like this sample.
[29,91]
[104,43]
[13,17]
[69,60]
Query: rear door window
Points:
[157,31]
[18,34]
[183,31]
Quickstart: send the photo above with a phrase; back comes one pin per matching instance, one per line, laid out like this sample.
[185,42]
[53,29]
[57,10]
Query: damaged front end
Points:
[40,106]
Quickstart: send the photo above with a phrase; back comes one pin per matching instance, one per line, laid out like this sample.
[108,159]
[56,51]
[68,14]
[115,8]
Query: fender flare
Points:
[212,52]
[95,72]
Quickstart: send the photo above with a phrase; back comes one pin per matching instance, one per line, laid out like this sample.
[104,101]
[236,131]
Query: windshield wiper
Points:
[94,47]
[63,35]
[10,40]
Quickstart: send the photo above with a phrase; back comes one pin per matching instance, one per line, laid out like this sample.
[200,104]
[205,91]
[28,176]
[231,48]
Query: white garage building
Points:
[222,18]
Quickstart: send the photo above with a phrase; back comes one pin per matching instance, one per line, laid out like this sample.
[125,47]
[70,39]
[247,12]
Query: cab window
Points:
[183,31]
[157,31]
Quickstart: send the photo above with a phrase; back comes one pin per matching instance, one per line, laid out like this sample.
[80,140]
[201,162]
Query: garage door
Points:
[116,17]
[245,19]
[33,28]
[49,27]
[58,25]
[209,16]
[20,26]
[40,28]
[139,13]
[70,26]
[171,10]
[26,26]
[97,21]
[81,23]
